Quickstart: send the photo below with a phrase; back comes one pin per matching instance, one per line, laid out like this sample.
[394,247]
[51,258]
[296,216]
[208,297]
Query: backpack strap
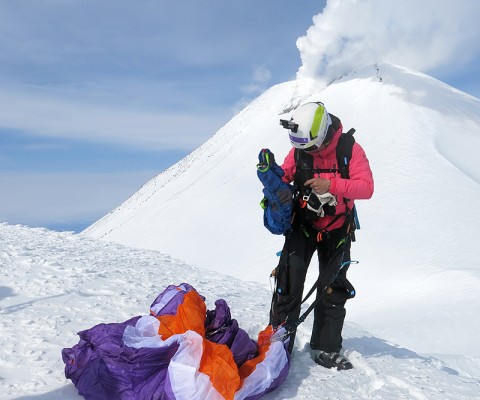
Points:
[303,169]
[344,152]
[303,172]
[344,155]
[304,161]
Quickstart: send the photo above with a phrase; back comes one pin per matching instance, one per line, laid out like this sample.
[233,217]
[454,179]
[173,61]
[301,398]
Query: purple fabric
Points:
[243,348]
[102,367]
[222,329]
[170,308]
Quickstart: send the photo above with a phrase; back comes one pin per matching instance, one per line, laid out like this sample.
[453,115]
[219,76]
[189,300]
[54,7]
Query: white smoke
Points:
[419,34]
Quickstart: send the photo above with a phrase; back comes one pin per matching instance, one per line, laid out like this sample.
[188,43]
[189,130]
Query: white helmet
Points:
[308,126]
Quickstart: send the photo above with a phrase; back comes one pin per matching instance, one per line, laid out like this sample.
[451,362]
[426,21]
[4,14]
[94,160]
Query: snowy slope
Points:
[420,135]
[418,247]
[202,209]
[56,284]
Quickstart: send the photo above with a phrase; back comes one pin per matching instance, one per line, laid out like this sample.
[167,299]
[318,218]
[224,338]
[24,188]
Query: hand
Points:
[319,185]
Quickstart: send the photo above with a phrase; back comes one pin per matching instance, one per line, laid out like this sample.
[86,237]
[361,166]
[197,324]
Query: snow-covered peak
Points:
[412,126]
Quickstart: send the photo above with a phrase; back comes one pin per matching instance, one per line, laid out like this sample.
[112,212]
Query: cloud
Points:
[419,34]
[47,113]
[261,74]
[154,76]
[261,78]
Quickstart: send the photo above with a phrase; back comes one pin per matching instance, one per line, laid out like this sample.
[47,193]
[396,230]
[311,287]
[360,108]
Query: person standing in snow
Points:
[323,221]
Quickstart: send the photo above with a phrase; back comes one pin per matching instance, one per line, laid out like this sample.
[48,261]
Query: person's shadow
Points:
[369,346]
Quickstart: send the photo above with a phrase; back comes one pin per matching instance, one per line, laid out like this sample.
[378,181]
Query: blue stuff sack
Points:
[277,203]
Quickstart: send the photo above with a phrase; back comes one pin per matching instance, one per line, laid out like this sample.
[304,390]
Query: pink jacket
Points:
[359,186]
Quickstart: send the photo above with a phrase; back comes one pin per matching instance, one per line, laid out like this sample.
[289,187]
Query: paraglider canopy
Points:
[179,351]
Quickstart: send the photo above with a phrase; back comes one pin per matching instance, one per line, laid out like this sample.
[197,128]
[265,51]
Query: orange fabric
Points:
[190,316]
[217,362]
[217,359]
[264,344]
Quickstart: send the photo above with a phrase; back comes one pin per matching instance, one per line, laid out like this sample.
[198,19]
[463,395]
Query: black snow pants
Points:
[329,312]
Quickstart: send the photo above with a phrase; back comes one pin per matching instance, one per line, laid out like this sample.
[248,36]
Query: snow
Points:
[56,284]
[411,332]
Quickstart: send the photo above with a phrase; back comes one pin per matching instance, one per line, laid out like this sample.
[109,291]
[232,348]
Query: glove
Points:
[327,198]
[316,202]
[266,161]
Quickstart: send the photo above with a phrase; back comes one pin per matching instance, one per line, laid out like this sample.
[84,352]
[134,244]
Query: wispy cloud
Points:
[260,80]
[40,112]
[118,72]
[420,34]
[261,74]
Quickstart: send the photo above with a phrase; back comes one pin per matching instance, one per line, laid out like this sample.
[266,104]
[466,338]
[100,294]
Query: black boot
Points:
[331,360]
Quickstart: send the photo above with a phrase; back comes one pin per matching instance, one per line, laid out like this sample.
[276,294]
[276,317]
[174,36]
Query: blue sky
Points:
[97,97]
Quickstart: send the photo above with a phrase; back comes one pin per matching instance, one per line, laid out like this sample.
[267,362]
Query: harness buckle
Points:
[306,198]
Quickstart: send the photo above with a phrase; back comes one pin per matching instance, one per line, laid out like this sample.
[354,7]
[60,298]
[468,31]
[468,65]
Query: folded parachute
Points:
[179,351]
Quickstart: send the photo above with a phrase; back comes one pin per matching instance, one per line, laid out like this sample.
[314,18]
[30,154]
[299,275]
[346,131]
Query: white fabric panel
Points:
[143,334]
[186,381]
[265,372]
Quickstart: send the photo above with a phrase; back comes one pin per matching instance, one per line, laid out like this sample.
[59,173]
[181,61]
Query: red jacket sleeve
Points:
[288,166]
[360,184]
